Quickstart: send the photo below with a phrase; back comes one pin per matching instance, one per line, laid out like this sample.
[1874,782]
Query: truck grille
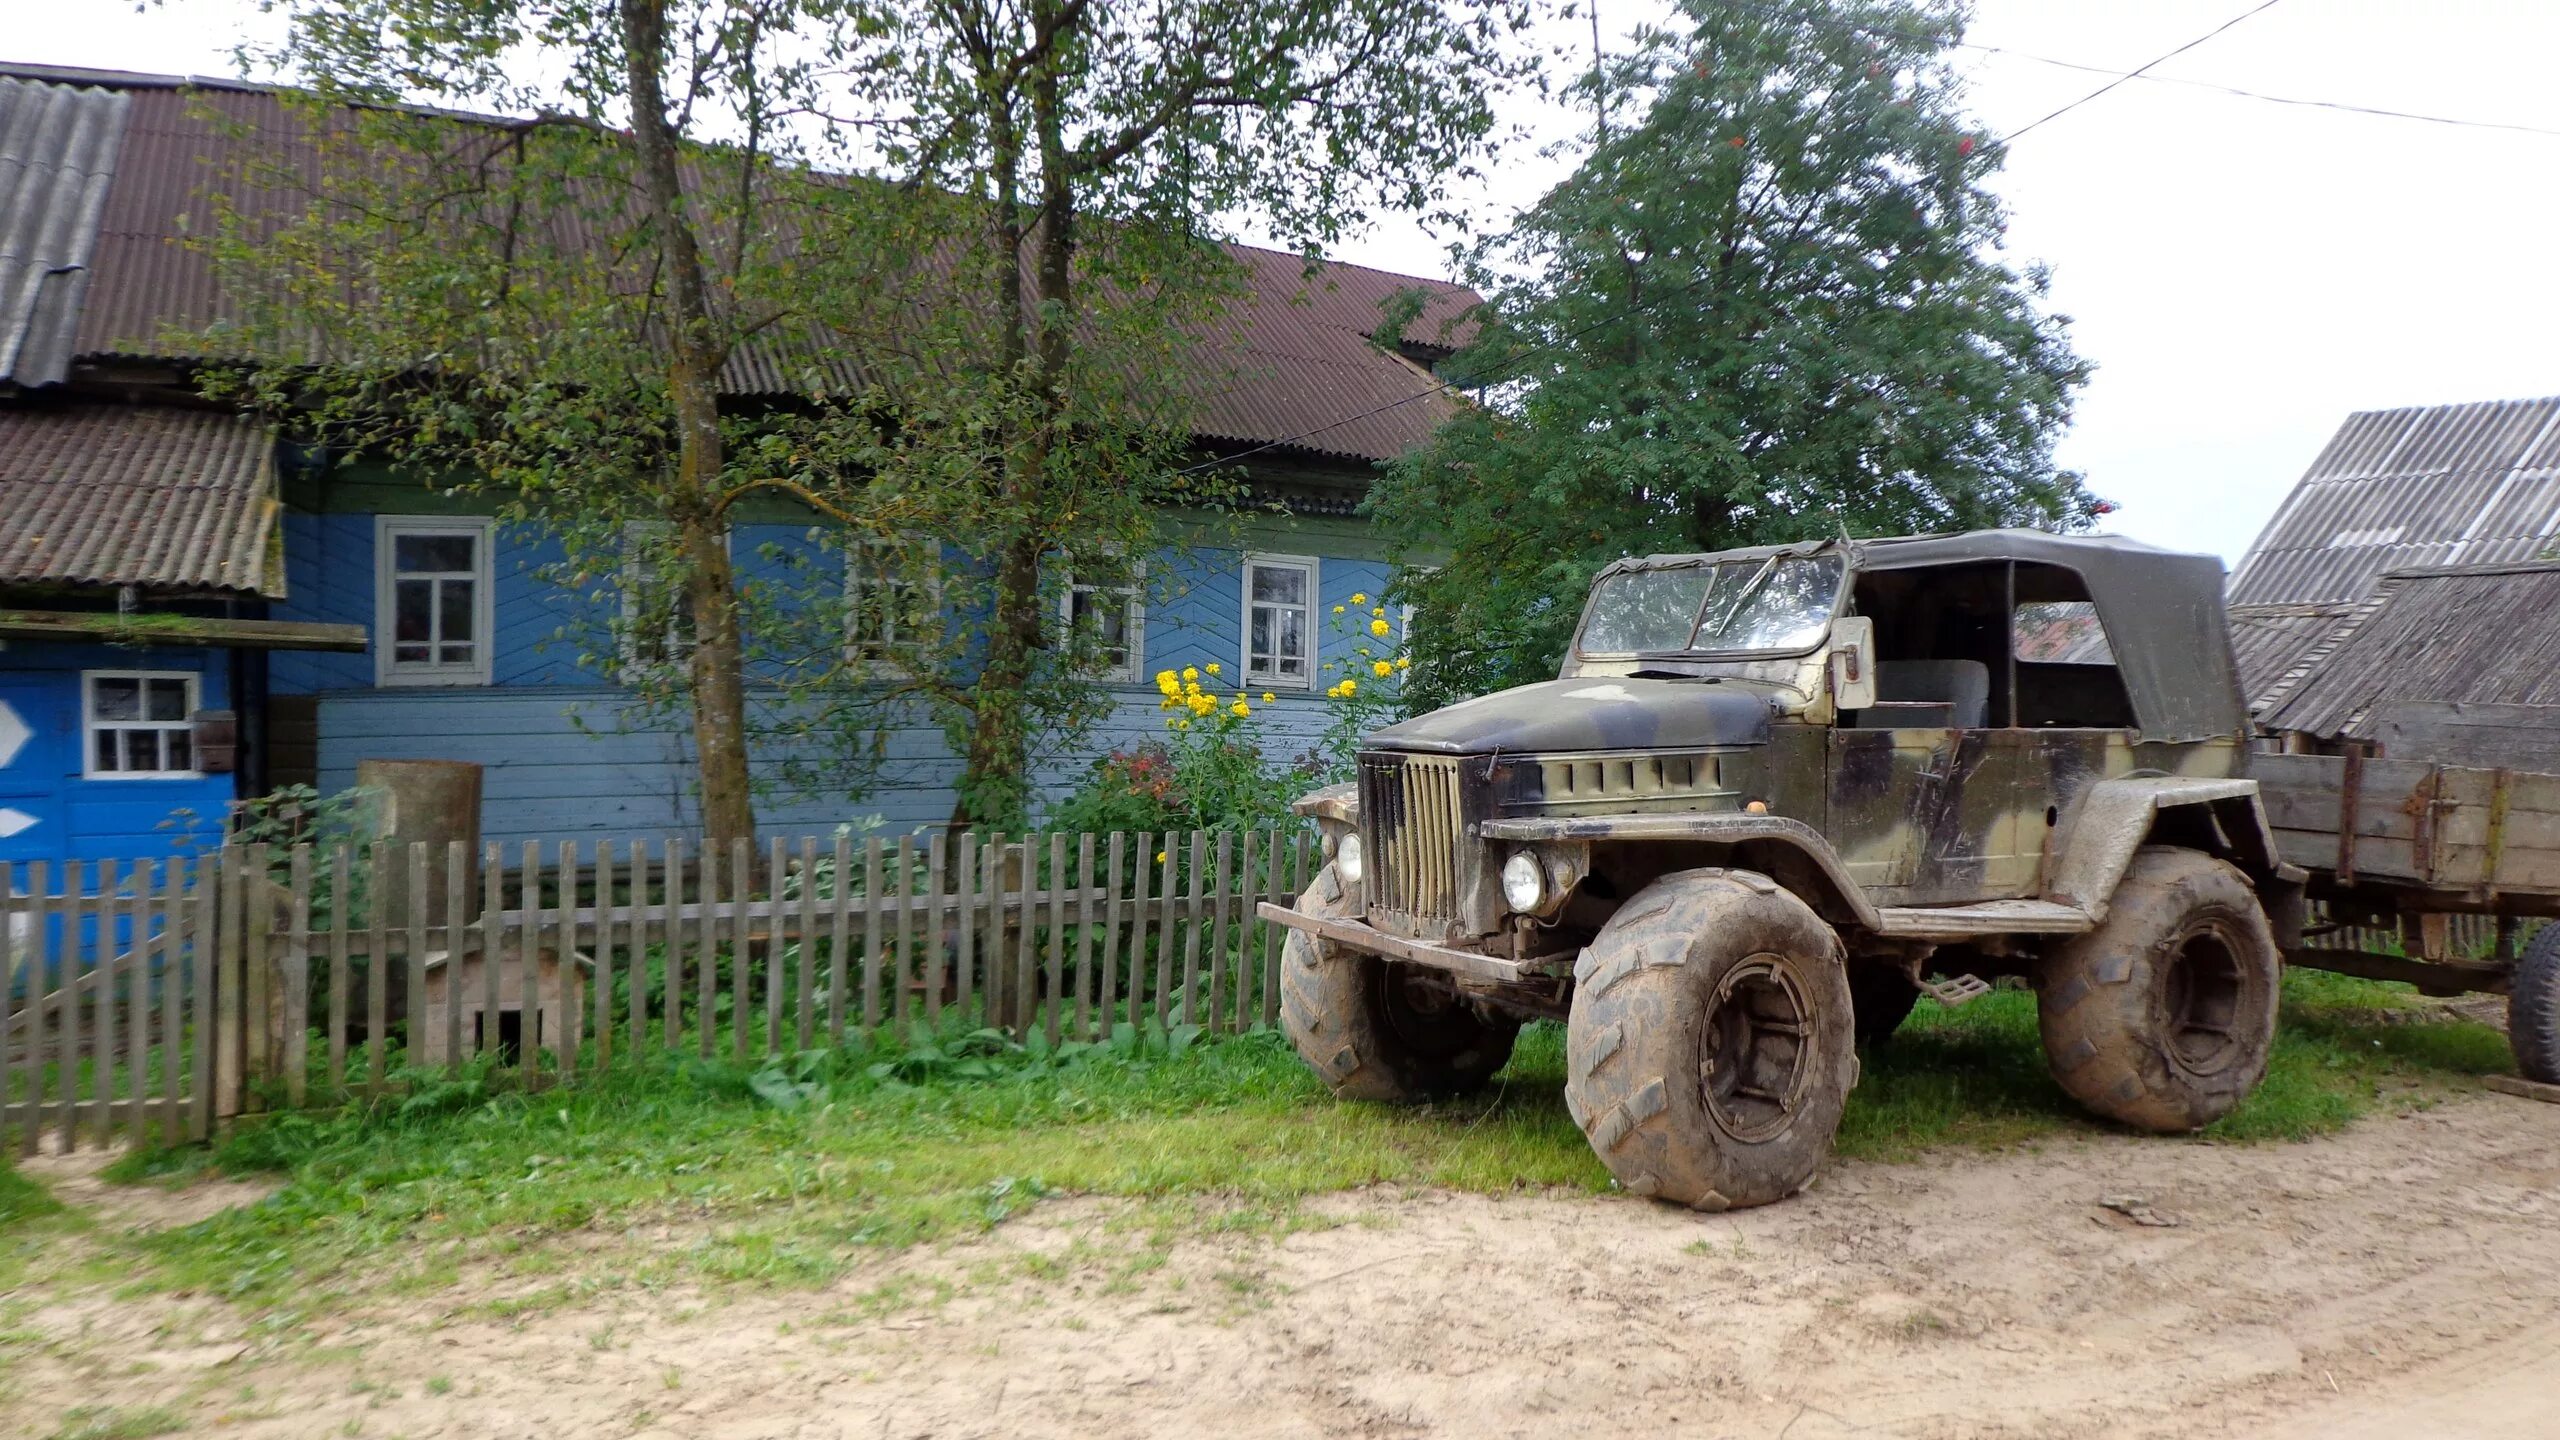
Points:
[1410,811]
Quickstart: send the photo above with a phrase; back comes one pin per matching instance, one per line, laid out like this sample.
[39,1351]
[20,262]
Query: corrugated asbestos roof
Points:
[1290,362]
[117,495]
[2468,634]
[58,148]
[2275,643]
[2432,486]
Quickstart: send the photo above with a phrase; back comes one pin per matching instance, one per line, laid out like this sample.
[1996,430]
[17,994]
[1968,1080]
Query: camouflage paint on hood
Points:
[1588,713]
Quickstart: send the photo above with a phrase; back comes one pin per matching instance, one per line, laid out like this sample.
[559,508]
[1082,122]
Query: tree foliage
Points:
[1770,308]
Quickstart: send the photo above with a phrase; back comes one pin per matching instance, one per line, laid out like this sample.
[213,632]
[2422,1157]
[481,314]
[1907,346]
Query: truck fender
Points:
[1789,851]
[2118,817]
[1334,804]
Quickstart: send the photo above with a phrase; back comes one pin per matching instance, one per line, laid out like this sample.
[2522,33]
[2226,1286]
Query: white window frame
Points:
[1133,597]
[903,548]
[1257,679]
[389,672]
[639,570]
[90,723]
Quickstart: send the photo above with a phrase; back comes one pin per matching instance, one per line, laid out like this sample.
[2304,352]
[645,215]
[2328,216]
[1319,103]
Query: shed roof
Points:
[2427,486]
[58,147]
[2473,634]
[165,499]
[1295,356]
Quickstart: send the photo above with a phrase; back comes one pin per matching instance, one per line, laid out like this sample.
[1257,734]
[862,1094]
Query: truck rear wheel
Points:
[2533,1008]
[2163,1017]
[1374,1030]
[1709,1051]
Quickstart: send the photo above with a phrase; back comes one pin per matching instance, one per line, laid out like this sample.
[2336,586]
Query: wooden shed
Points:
[560,989]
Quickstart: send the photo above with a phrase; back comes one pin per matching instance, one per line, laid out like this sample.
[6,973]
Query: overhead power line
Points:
[2137,73]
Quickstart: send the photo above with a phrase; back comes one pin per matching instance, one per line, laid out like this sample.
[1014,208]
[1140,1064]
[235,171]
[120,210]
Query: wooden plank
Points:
[567,933]
[671,937]
[377,966]
[117,627]
[741,951]
[1220,882]
[9,958]
[965,927]
[493,949]
[1083,979]
[296,999]
[805,998]
[2523,1088]
[2524,829]
[150,946]
[1194,905]
[1108,982]
[706,953]
[258,959]
[457,912]
[231,1013]
[1052,977]
[91,1115]
[1144,868]
[1168,918]
[774,979]
[52,961]
[341,872]
[839,921]
[529,947]
[607,934]
[1022,1009]
[871,935]
[903,886]
[204,959]
[2484,734]
[937,925]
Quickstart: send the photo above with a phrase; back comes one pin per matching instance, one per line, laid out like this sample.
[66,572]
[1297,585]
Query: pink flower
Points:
[1965,146]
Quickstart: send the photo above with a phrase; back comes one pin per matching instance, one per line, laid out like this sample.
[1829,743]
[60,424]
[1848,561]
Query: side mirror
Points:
[1851,663]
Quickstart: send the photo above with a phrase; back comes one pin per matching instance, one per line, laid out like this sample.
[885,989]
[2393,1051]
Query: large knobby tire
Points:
[1373,1030]
[2163,1016]
[1880,998]
[1709,1051]
[2533,1008]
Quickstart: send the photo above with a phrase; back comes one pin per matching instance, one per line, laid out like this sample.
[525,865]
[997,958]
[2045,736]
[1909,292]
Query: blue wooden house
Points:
[365,615]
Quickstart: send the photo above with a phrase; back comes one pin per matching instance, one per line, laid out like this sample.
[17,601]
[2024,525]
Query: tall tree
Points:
[1770,308]
[1105,141]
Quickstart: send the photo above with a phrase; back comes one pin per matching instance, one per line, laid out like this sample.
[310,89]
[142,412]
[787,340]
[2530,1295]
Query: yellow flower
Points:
[1337,609]
[1213,667]
[1269,699]
[1191,674]
[1203,705]
[1381,669]
[1364,650]
[1350,686]
[1404,662]
[1181,724]
[1240,709]
[1359,597]
[1159,857]
[1165,681]
[1379,627]
[1380,612]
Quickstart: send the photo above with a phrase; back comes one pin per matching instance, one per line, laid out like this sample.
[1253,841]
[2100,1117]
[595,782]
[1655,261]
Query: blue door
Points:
[37,727]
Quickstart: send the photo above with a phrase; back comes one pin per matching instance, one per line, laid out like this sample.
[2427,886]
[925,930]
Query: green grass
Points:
[21,1199]
[106,1422]
[788,1178]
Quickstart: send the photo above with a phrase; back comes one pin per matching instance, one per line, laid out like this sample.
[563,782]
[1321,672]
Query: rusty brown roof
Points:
[165,499]
[58,148]
[2474,634]
[1290,365]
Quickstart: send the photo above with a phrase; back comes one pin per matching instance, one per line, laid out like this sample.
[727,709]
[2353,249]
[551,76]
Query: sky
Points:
[2243,274]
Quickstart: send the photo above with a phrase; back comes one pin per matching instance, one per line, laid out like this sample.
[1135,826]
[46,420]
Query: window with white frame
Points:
[657,616]
[1279,621]
[892,598]
[137,723]
[1112,620]
[431,603]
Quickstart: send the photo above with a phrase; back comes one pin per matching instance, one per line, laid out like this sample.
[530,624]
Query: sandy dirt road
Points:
[2401,1280]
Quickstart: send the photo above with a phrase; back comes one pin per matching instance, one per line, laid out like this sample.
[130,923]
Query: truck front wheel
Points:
[1380,1031]
[2163,1016]
[1710,1049]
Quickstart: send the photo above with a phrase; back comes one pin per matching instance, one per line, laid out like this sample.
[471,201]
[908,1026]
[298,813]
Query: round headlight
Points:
[1524,882]
[1346,858]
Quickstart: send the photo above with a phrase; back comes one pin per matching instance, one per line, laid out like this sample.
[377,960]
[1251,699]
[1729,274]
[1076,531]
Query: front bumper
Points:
[1373,941]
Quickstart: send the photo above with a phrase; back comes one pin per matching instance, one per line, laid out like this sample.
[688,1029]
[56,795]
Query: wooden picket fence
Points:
[167,997]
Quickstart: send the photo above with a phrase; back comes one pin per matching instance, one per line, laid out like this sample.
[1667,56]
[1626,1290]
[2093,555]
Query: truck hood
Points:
[1588,714]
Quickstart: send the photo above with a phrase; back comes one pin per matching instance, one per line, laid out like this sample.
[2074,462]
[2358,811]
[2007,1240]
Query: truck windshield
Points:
[1745,606]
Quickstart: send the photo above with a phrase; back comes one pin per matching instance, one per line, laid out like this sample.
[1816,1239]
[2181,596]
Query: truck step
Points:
[1991,917]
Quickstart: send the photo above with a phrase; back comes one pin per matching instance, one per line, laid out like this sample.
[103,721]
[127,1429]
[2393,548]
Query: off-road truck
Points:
[1774,795]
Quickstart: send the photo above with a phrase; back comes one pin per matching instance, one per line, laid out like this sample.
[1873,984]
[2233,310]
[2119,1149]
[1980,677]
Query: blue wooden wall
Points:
[73,816]
[566,757]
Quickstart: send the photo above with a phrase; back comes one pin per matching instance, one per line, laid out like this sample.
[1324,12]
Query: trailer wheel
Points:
[1374,1030]
[2533,1008]
[2163,1016]
[1709,1050]
[1880,999]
